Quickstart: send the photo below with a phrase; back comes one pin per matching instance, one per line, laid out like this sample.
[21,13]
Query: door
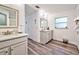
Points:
[19,49]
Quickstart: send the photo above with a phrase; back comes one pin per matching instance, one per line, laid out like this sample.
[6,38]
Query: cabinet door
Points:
[19,49]
[4,51]
[47,36]
[44,37]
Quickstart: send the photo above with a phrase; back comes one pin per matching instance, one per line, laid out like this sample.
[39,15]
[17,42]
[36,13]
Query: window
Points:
[61,22]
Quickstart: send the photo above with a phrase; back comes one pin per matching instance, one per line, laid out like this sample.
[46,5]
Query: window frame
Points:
[61,22]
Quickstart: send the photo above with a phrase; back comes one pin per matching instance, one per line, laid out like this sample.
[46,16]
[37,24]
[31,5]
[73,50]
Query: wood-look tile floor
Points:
[52,48]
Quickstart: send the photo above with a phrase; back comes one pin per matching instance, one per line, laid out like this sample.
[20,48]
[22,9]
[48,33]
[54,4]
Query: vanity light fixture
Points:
[43,13]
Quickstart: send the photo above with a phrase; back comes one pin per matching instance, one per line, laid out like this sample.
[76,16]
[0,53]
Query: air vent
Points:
[37,6]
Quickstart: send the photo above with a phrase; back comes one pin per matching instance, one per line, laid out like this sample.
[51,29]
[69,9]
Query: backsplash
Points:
[8,29]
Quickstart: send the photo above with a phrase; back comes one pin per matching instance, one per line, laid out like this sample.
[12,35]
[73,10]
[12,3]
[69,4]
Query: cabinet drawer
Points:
[18,40]
[4,44]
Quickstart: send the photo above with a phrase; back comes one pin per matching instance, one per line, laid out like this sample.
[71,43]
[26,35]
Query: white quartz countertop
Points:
[12,36]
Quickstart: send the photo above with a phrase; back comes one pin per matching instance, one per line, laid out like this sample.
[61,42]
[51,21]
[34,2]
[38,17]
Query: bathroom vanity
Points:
[13,44]
[44,36]
[45,33]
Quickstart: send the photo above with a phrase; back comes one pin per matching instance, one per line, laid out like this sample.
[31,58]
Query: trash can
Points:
[65,41]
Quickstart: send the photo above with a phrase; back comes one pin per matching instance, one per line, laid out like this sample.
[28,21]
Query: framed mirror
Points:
[8,16]
[43,23]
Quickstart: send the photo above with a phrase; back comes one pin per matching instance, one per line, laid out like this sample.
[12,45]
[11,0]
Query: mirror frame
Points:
[17,17]
[41,19]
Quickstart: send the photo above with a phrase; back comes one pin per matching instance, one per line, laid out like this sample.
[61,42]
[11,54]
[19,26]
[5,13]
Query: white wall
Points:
[32,28]
[58,34]
[20,8]
[77,34]
[70,33]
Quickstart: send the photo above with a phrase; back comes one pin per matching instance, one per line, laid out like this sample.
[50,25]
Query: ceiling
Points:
[52,8]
